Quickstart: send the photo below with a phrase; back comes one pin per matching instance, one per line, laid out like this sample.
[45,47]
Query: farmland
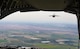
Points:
[49,36]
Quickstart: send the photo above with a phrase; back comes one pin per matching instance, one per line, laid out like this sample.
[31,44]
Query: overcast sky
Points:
[41,16]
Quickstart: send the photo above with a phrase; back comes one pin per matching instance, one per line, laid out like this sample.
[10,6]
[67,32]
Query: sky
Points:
[41,17]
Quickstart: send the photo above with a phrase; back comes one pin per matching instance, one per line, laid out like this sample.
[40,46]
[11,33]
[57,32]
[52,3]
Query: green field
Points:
[3,40]
[50,46]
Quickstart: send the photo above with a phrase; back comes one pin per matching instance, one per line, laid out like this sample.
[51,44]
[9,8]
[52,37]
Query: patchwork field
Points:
[39,35]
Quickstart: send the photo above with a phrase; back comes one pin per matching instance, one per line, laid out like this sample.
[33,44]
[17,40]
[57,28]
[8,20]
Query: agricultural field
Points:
[39,35]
